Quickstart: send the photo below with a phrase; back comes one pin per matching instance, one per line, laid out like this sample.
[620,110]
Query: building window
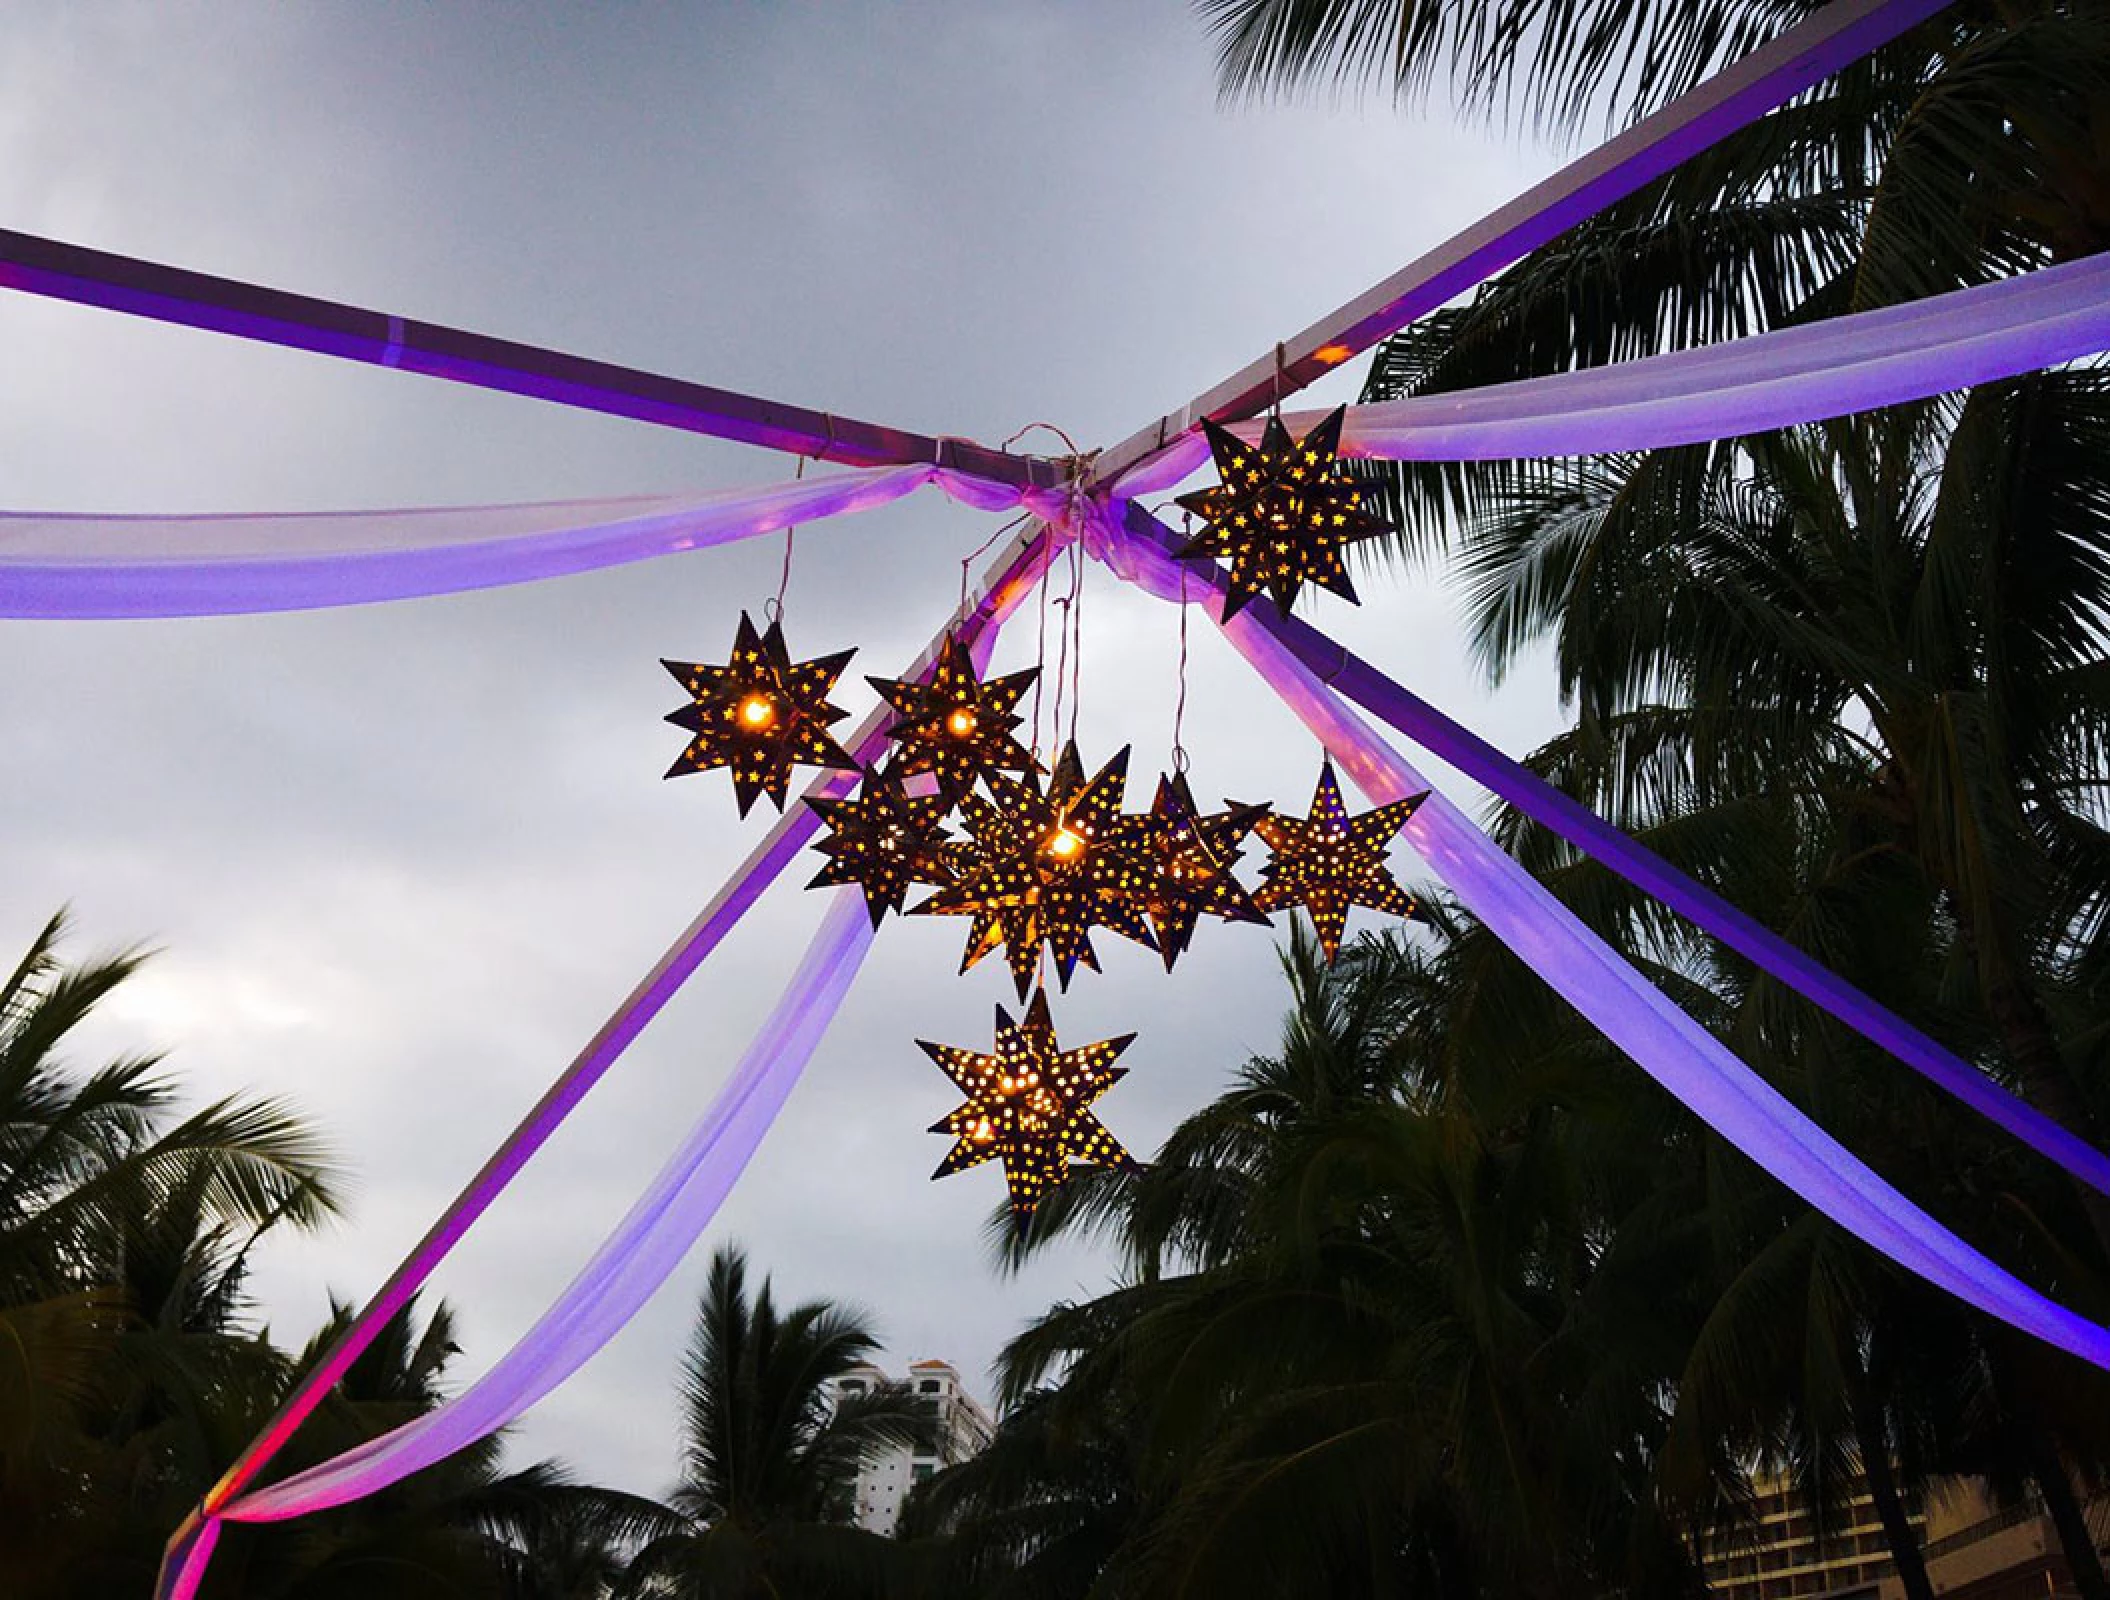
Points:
[922,1471]
[929,1386]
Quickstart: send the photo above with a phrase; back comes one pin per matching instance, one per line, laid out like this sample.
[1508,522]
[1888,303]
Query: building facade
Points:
[961,1428]
[1973,1550]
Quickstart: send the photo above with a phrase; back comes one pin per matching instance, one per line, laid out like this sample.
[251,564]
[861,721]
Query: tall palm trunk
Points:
[2066,1515]
[1905,1552]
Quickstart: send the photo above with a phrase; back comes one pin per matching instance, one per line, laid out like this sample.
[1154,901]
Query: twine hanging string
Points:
[773,610]
[1179,706]
[1040,651]
[1077,466]
[967,562]
[1076,637]
[1062,653]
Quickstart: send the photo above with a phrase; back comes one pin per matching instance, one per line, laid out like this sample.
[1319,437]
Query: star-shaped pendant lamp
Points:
[760,714]
[1330,861]
[1045,868]
[956,727]
[1029,1106]
[1282,513]
[884,840]
[1190,853]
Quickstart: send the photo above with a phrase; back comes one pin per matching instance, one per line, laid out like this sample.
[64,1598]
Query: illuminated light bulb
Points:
[961,723]
[1064,845]
[757,712]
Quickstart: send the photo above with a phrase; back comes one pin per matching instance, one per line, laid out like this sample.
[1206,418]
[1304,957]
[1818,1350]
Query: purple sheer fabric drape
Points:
[1772,380]
[89,567]
[591,1310]
[104,567]
[1665,1042]
[1409,714]
[631,1263]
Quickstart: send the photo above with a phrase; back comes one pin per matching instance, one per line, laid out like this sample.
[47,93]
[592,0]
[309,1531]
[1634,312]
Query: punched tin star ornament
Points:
[956,726]
[884,841]
[1029,1106]
[1329,861]
[1281,514]
[760,714]
[1190,853]
[1046,868]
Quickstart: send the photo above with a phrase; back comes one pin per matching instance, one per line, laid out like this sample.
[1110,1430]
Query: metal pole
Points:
[1010,575]
[273,316]
[1776,72]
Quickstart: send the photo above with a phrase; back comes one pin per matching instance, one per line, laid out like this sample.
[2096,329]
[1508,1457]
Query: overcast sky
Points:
[402,860]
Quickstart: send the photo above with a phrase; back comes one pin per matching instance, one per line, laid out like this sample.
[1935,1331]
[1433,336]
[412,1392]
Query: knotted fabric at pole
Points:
[1652,1030]
[1772,380]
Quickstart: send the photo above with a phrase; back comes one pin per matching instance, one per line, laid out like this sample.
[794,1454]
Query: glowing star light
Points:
[1190,853]
[956,727]
[1029,1106]
[760,714]
[1281,514]
[883,841]
[1331,861]
[1046,868]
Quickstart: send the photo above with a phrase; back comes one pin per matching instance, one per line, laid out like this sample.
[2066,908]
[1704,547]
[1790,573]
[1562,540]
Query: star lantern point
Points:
[1329,861]
[760,714]
[1281,513]
[1029,1106]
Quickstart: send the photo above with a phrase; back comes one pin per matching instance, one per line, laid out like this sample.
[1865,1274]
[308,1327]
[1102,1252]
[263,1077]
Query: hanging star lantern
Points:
[1190,854]
[1281,514]
[760,714]
[956,726]
[884,841]
[1330,861]
[1046,868]
[1029,1106]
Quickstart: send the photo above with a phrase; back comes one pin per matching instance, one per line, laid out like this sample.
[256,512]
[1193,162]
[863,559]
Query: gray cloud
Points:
[404,859]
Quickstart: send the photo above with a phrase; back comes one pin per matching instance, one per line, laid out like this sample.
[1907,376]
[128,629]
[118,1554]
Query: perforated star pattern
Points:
[760,714]
[1281,514]
[1330,861]
[1046,869]
[956,727]
[1190,853]
[1029,1106]
[883,841]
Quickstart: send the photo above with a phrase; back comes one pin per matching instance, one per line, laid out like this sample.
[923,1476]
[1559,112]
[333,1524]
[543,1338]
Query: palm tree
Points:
[1053,1508]
[463,1527]
[771,1451]
[124,1239]
[131,1374]
[1913,634]
[1371,1334]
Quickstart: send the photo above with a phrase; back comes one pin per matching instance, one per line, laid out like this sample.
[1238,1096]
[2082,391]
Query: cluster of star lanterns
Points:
[1044,857]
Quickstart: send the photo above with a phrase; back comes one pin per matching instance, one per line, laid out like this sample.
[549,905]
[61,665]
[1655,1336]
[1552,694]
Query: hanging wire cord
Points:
[1077,472]
[773,610]
[1179,706]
